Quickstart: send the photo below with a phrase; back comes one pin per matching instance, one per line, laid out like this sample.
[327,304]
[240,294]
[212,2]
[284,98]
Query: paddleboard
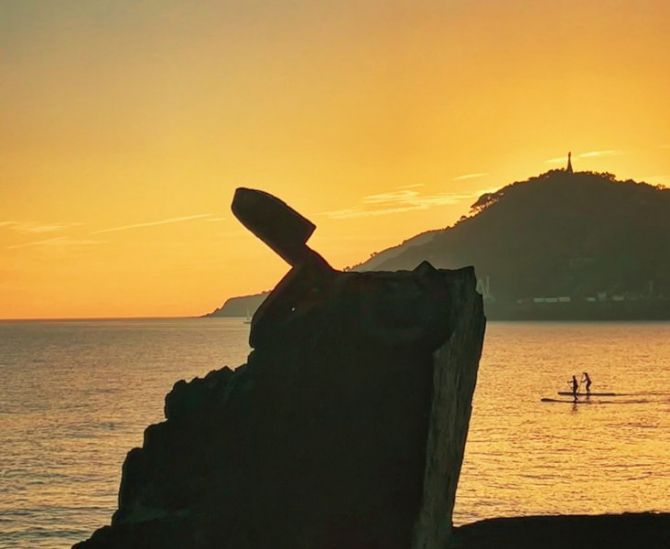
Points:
[596,401]
[566,401]
[569,393]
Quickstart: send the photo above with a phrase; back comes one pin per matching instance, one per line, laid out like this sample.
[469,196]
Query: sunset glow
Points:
[126,126]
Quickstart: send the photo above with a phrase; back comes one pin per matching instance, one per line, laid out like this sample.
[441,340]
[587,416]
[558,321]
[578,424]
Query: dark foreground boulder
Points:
[345,428]
[627,531]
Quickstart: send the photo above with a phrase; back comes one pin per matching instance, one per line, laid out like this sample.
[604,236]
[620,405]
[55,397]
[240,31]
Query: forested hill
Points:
[558,234]
[580,236]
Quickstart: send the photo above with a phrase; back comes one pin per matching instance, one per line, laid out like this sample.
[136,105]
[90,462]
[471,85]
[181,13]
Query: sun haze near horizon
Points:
[128,125]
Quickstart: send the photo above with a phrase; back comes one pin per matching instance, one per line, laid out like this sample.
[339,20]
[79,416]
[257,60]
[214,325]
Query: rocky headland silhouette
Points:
[563,245]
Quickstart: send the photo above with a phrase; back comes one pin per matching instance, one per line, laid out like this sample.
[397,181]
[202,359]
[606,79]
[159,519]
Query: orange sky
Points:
[126,126]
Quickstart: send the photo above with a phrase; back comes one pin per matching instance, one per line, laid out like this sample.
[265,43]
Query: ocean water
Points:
[75,396]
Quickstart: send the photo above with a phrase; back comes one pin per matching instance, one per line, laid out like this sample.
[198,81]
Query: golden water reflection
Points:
[610,455]
[76,396]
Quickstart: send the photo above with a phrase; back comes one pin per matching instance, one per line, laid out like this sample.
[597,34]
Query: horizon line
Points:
[88,318]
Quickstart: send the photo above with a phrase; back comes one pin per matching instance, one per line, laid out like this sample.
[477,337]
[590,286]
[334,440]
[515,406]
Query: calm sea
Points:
[76,396]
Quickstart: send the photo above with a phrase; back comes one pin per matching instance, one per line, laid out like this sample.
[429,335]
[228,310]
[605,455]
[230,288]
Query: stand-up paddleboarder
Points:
[587,380]
[575,385]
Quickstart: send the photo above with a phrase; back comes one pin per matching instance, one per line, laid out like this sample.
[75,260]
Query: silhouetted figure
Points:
[575,385]
[569,167]
[587,380]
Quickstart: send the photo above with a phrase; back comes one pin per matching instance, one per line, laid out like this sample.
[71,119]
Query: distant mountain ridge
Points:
[559,245]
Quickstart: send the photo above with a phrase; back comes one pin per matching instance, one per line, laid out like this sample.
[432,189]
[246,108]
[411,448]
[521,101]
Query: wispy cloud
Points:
[37,228]
[596,154]
[469,176]
[391,197]
[153,223]
[61,241]
[350,213]
[57,241]
[398,201]
[588,154]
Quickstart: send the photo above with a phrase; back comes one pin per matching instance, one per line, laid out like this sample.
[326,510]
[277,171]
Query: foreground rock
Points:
[345,428]
[627,531]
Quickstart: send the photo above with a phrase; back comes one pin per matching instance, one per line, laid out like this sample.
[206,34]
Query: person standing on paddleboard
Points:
[586,379]
[575,385]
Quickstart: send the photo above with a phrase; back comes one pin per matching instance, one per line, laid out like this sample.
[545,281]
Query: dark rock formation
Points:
[627,531]
[345,428]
